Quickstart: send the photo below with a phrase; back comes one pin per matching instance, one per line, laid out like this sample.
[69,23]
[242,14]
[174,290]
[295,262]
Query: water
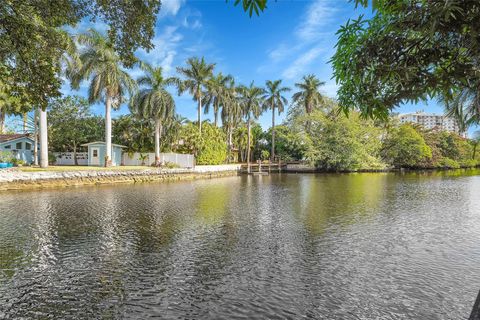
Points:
[353,246]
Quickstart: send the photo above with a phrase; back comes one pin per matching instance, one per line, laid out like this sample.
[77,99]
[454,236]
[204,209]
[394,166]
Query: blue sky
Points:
[290,39]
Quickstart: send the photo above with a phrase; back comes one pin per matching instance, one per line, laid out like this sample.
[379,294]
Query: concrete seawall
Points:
[18,180]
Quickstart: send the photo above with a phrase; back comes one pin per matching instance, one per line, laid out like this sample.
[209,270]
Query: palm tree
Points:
[464,106]
[231,111]
[197,74]
[99,62]
[154,102]
[217,94]
[275,99]
[251,99]
[309,94]
[173,128]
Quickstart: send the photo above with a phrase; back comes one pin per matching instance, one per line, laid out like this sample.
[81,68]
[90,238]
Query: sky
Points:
[291,38]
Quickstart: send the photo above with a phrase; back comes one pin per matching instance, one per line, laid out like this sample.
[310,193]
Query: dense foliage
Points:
[289,144]
[334,142]
[405,147]
[409,50]
[33,40]
[71,124]
[209,146]
[134,133]
[337,142]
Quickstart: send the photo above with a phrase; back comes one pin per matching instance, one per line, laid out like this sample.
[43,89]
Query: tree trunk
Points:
[272,156]
[108,131]
[307,124]
[158,128]
[35,137]
[215,112]
[248,145]
[230,133]
[43,139]
[25,119]
[2,121]
[200,113]
[75,162]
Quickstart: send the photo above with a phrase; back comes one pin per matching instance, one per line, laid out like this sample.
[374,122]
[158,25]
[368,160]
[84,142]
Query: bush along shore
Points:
[333,142]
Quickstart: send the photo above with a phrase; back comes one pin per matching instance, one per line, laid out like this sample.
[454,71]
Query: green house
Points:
[97,152]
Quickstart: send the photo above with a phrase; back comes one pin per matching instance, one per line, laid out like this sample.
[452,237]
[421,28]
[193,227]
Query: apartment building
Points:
[432,121]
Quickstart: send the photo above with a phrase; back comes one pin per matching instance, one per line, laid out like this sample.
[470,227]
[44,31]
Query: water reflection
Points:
[341,199]
[386,246]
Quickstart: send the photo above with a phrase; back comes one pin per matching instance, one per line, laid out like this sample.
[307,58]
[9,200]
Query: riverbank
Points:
[26,180]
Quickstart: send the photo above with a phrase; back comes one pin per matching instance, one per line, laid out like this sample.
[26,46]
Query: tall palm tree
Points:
[217,94]
[231,111]
[154,102]
[251,99]
[197,74]
[309,95]
[275,99]
[99,62]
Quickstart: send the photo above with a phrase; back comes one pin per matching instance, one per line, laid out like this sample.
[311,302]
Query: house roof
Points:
[13,136]
[101,142]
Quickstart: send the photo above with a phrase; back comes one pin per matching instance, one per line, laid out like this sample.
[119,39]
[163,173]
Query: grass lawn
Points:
[81,168]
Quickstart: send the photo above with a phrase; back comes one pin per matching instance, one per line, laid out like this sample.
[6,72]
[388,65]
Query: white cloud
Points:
[303,47]
[171,7]
[165,49]
[279,52]
[298,66]
[168,61]
[318,15]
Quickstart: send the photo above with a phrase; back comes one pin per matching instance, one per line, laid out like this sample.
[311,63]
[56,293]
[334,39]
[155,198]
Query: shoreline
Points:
[18,180]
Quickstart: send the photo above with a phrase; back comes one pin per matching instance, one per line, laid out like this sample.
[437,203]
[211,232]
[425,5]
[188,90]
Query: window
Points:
[18,145]
[95,153]
[28,146]
[8,147]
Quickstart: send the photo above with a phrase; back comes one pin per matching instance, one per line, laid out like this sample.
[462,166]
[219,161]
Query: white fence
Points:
[182,160]
[66,158]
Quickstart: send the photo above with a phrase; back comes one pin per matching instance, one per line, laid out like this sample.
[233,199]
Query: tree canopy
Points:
[71,123]
[408,51]
[33,39]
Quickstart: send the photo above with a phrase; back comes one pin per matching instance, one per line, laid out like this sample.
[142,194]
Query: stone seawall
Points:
[17,180]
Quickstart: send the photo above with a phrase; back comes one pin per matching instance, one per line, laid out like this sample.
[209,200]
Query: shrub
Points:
[265,155]
[447,163]
[289,145]
[51,158]
[405,147]
[171,165]
[209,147]
[470,163]
[335,142]
[7,156]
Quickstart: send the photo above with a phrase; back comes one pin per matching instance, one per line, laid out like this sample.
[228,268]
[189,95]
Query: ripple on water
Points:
[362,246]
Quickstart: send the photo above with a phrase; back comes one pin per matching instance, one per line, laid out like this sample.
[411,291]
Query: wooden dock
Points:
[263,168]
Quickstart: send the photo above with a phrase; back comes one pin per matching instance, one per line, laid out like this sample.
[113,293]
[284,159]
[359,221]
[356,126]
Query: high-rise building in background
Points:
[432,121]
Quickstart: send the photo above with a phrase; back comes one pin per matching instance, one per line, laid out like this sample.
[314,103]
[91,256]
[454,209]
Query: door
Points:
[95,157]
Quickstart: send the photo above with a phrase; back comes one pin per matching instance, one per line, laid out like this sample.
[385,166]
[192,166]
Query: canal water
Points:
[326,246]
